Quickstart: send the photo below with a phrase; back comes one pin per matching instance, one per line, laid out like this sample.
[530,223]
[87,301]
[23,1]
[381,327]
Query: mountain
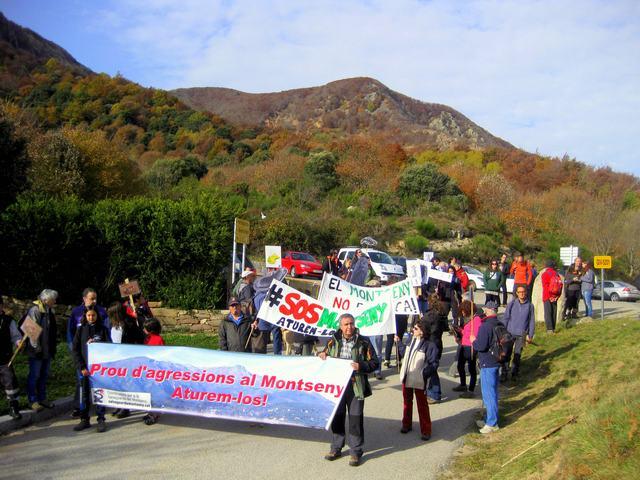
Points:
[22,49]
[353,105]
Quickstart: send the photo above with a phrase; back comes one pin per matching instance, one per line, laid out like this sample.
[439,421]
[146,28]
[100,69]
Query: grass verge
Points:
[62,381]
[591,372]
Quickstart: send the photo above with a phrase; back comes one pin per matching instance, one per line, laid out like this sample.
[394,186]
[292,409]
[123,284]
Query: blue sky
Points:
[554,77]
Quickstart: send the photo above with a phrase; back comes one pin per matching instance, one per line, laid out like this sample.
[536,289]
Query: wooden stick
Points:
[133,307]
[542,439]
[249,339]
[15,354]
[397,354]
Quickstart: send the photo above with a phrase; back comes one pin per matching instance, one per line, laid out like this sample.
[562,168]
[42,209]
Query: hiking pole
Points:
[542,439]
[15,354]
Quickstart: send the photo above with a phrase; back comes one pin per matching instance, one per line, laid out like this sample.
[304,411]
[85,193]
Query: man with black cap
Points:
[234,330]
[9,337]
[489,367]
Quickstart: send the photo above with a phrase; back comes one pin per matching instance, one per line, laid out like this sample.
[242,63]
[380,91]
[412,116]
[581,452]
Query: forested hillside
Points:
[75,145]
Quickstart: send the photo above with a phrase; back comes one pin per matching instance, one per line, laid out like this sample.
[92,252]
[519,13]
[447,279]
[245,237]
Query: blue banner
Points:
[301,391]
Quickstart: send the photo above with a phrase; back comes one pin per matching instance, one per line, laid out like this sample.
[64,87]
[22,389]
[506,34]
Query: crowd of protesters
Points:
[446,306]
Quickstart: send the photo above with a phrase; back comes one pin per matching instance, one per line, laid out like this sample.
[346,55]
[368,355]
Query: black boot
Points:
[84,423]
[14,410]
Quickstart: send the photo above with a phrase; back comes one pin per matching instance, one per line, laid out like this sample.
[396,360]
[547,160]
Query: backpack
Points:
[502,343]
[555,286]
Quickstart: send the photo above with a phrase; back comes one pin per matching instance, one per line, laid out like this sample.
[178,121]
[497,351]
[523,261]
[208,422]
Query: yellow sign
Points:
[603,261]
[242,231]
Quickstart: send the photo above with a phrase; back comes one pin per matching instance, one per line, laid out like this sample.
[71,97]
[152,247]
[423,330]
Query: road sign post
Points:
[240,235]
[603,262]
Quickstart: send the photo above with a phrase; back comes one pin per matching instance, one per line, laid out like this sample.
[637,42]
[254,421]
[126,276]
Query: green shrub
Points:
[428,229]
[485,248]
[416,244]
[178,250]
[425,183]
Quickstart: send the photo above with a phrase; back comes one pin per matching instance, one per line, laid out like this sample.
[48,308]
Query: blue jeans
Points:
[376,341]
[489,384]
[586,294]
[276,334]
[37,379]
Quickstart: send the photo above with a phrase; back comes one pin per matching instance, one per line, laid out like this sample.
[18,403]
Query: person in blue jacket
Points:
[89,302]
[521,323]
[489,367]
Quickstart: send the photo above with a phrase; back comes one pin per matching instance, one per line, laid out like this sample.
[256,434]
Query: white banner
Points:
[338,293]
[427,256]
[301,391]
[438,275]
[273,256]
[290,309]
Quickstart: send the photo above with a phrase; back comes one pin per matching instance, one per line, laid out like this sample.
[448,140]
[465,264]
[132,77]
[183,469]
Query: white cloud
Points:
[557,76]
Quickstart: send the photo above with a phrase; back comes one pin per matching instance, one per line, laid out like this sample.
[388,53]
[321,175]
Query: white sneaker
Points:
[480,423]
[489,429]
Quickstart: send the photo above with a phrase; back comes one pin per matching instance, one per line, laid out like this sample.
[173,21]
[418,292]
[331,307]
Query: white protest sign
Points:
[273,256]
[442,276]
[290,309]
[338,293]
[417,272]
[427,256]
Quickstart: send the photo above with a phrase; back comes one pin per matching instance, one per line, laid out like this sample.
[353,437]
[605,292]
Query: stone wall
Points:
[192,321]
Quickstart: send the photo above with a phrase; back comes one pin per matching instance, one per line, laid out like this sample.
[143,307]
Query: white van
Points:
[382,264]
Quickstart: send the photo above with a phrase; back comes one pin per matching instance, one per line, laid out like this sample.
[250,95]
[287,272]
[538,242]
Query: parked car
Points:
[402,261]
[616,290]
[476,278]
[382,264]
[301,264]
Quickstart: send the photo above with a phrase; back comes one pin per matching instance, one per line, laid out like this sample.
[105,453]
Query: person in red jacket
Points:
[152,329]
[551,291]
[522,273]
[462,276]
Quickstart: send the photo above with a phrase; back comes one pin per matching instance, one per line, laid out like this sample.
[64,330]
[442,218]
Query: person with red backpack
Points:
[552,285]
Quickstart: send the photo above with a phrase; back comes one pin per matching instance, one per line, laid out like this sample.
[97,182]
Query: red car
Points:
[301,264]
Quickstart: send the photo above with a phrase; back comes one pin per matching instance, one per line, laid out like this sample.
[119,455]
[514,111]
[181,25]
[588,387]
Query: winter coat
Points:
[96,332]
[233,336]
[75,319]
[419,363]
[362,353]
[483,343]
[48,341]
[522,273]
[9,336]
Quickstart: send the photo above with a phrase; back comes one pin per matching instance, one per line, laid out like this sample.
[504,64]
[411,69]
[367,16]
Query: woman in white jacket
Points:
[420,360]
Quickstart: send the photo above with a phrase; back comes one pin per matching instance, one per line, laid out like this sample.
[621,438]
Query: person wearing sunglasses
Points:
[492,281]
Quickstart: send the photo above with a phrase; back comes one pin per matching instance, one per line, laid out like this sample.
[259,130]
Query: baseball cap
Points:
[234,301]
[246,273]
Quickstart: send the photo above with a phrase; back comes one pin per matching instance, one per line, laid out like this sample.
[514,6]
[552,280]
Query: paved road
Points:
[192,447]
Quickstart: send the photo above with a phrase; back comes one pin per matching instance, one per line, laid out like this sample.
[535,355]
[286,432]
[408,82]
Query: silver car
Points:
[476,278]
[615,291]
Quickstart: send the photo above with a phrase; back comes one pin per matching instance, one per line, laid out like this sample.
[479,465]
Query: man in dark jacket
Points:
[521,323]
[489,367]
[235,329]
[10,337]
[348,344]
[41,354]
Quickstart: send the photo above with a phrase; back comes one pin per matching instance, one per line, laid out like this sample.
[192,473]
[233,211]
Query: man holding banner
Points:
[348,344]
